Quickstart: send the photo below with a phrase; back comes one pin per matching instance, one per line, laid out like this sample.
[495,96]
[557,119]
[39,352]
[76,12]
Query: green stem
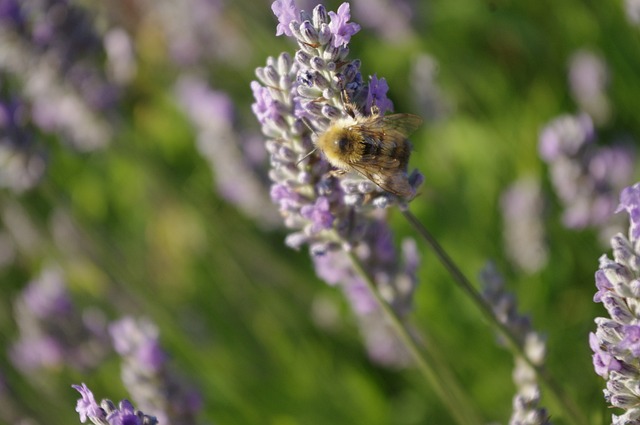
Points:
[437,374]
[573,415]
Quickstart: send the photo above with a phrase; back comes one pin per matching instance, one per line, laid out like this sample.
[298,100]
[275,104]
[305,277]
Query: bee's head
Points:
[339,144]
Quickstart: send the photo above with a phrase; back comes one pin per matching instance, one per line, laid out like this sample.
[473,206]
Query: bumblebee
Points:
[374,146]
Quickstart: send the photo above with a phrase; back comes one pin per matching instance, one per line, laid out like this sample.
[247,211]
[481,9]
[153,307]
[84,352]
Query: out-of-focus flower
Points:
[524,235]
[236,172]
[526,409]
[588,81]
[53,333]
[106,413]
[330,213]
[391,19]
[615,342]
[585,176]
[196,32]
[146,374]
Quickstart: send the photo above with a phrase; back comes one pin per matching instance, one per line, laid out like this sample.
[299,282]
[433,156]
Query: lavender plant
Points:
[526,410]
[585,176]
[615,341]
[147,376]
[107,413]
[299,96]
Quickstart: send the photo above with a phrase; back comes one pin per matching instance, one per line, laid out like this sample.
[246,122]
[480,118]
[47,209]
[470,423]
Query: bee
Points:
[374,146]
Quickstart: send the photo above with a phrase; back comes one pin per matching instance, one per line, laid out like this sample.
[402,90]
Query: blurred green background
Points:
[146,233]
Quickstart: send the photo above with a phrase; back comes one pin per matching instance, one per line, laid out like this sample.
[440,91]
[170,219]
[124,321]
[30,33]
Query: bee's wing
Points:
[400,125]
[393,180]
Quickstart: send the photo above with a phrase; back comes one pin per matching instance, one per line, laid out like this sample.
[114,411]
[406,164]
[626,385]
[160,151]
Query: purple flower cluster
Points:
[146,375]
[106,413]
[616,341]
[586,177]
[52,332]
[297,97]
[526,402]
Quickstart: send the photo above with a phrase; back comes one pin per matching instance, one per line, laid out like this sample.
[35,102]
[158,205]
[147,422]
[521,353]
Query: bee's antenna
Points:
[307,155]
[306,122]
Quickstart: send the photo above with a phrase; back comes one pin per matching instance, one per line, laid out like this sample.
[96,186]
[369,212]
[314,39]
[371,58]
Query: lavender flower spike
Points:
[526,409]
[298,97]
[146,375]
[107,413]
[615,343]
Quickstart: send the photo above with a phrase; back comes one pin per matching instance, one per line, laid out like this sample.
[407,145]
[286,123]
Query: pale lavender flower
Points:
[146,374]
[340,26]
[524,234]
[585,176]
[106,413]
[526,409]
[330,213]
[616,341]
[286,12]
[377,95]
[52,331]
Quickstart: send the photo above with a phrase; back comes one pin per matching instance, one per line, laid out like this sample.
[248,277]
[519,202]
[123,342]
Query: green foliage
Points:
[235,307]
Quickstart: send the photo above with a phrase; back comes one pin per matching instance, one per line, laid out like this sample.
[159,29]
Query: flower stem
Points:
[437,374]
[573,415]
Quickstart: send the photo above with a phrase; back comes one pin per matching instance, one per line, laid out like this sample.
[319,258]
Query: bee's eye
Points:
[342,143]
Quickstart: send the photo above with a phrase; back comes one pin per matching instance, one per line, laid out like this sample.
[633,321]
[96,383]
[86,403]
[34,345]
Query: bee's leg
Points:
[349,107]
[337,172]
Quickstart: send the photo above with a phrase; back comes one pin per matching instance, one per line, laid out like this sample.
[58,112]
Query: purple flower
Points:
[319,214]
[107,413]
[87,407]
[630,201]
[631,339]
[377,95]
[47,297]
[603,361]
[616,341]
[125,415]
[340,28]
[286,12]
[565,135]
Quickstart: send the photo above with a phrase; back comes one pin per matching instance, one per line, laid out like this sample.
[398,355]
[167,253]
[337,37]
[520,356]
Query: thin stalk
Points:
[573,415]
[445,386]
